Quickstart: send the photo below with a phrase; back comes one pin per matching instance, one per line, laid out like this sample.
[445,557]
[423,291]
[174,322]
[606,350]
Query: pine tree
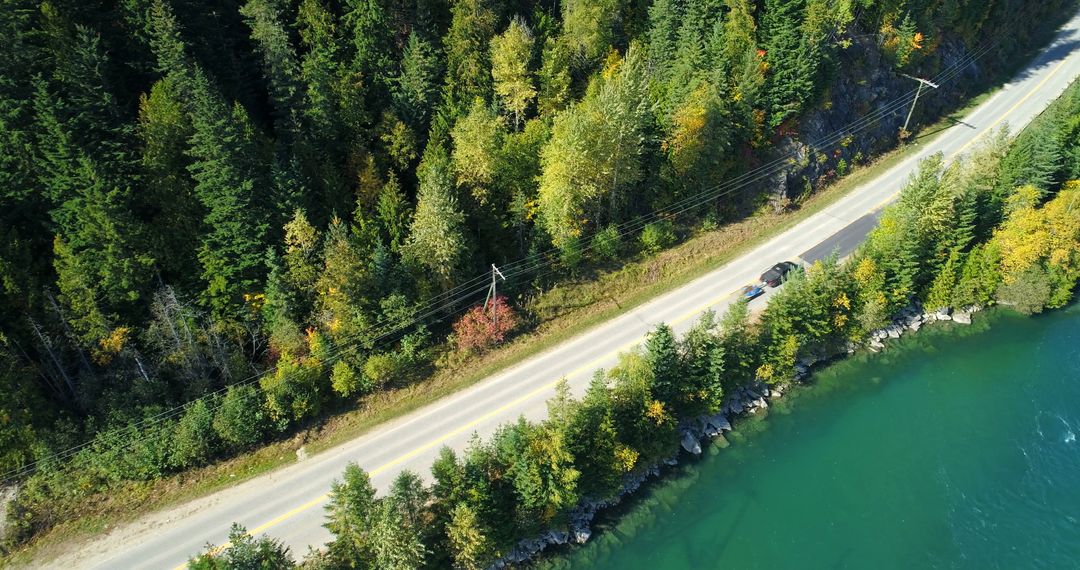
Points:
[394,543]
[23,204]
[941,291]
[367,24]
[280,64]
[227,173]
[662,355]
[87,171]
[663,34]
[301,263]
[416,88]
[792,59]
[468,63]
[174,209]
[341,284]
[687,67]
[393,214]
[350,514]
[78,293]
[437,241]
[470,545]
[321,69]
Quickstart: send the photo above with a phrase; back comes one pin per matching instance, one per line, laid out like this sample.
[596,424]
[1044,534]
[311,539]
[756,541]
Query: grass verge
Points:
[565,311]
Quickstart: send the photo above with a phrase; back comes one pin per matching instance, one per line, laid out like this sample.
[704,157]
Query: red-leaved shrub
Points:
[477,331]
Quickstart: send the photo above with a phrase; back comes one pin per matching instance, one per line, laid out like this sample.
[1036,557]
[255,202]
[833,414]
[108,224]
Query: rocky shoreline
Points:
[745,401]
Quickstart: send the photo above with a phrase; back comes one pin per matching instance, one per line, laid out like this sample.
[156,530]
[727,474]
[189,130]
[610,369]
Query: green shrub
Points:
[570,254]
[346,382]
[242,419]
[245,552]
[658,235]
[606,244]
[120,453]
[296,391]
[194,441]
[381,370]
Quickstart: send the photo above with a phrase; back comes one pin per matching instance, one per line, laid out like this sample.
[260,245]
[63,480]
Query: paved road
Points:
[288,503]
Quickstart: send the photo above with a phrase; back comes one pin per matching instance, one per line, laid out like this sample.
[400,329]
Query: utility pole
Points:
[922,82]
[491,295]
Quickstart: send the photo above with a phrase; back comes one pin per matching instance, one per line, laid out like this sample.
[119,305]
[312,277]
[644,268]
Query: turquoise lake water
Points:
[954,449]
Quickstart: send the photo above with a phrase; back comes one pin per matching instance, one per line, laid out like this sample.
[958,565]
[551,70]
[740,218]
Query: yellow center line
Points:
[592,364]
[990,128]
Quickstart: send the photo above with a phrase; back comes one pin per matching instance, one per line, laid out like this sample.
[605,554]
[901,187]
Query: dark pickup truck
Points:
[778,273]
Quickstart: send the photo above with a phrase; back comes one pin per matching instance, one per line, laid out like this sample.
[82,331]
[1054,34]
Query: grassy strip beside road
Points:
[564,312]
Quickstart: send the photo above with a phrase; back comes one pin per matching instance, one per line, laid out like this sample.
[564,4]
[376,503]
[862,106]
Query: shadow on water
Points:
[733,527]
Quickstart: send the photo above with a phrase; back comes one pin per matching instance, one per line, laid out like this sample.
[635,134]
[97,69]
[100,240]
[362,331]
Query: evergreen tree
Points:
[416,88]
[792,59]
[592,439]
[393,214]
[470,546]
[468,64]
[245,551]
[227,170]
[367,24]
[437,241]
[169,198]
[280,63]
[351,514]
[341,284]
[663,35]
[661,353]
[78,293]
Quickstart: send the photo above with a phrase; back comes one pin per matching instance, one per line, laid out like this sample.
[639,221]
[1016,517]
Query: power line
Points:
[460,293]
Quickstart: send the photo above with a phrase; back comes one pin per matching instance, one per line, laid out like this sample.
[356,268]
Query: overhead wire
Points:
[455,296]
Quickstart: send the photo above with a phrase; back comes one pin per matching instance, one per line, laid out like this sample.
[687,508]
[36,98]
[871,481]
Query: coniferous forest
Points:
[221,220]
[1000,226]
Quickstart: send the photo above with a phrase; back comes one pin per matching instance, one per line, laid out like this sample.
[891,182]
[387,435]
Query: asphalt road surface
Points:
[288,503]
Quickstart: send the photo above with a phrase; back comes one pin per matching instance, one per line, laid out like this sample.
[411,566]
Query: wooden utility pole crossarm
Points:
[492,296]
[922,82]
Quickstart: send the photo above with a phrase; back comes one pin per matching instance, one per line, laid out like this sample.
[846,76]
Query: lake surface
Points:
[956,448]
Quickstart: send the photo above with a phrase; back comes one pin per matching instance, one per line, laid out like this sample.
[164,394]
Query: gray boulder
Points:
[717,423]
[691,444]
[580,536]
